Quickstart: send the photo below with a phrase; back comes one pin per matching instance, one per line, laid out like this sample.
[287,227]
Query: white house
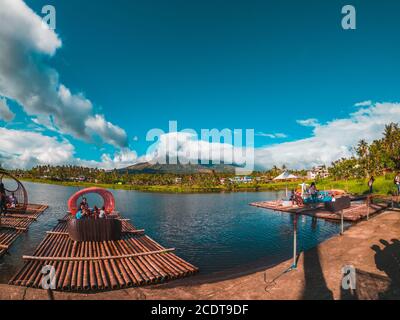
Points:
[318,172]
[239,179]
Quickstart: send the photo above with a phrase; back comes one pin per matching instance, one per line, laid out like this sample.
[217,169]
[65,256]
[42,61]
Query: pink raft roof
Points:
[108,198]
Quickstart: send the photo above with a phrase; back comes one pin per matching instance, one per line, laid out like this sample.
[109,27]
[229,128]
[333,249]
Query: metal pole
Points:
[294,266]
[368,202]
[341,218]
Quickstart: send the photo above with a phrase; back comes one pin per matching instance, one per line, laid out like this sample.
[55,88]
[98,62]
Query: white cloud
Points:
[329,142]
[5,113]
[110,133]
[332,140]
[271,135]
[27,79]
[121,159]
[364,103]
[20,24]
[26,149]
[308,122]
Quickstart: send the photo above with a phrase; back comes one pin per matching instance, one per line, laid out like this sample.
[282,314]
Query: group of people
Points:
[6,202]
[312,191]
[85,211]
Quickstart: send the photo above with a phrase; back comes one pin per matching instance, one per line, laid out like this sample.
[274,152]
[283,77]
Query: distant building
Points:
[317,172]
[239,179]
[178,180]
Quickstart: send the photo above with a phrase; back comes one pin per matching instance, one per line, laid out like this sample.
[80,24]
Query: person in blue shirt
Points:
[78,215]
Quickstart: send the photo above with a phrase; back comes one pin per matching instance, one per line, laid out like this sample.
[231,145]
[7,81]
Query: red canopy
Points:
[109,202]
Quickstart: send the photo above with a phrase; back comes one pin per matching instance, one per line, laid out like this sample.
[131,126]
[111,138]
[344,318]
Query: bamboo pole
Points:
[141,231]
[341,223]
[104,278]
[58,233]
[80,259]
[294,266]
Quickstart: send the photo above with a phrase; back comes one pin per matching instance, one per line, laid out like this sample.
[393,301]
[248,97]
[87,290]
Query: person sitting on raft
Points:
[83,213]
[95,212]
[293,197]
[313,192]
[102,213]
[84,203]
[12,200]
[79,215]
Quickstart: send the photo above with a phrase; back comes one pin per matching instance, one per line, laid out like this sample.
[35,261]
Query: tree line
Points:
[371,159]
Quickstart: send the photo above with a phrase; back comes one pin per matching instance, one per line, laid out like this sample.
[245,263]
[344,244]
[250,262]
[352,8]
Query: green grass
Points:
[383,185]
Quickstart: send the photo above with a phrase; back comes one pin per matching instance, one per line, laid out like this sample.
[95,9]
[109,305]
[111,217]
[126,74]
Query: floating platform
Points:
[134,260]
[356,212]
[15,222]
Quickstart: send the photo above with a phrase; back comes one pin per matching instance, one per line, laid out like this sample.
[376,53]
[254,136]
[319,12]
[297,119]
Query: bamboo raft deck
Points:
[135,260]
[15,223]
[356,212]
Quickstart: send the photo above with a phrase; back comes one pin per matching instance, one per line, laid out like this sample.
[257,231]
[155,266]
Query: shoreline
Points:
[159,188]
[368,246]
[353,187]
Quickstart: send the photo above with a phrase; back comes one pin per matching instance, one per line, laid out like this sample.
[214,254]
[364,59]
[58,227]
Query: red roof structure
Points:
[108,198]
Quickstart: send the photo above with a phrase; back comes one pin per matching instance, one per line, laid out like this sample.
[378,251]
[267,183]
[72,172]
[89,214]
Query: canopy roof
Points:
[285,176]
[11,186]
[108,198]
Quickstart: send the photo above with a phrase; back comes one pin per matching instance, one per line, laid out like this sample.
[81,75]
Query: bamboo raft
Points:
[15,223]
[356,212]
[134,260]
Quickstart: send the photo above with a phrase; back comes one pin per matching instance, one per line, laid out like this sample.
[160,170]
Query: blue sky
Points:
[220,64]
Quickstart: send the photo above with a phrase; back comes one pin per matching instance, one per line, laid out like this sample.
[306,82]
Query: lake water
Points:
[215,232]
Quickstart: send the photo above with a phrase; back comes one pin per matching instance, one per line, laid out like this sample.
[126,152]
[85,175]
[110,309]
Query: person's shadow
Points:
[315,287]
[387,260]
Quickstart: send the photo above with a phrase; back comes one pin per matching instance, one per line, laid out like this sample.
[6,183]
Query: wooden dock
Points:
[356,212]
[16,223]
[134,260]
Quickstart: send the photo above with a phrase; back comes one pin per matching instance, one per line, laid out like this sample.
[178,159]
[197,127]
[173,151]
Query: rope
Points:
[272,283]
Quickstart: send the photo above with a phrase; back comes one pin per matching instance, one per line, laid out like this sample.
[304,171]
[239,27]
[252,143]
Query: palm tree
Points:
[391,143]
[363,153]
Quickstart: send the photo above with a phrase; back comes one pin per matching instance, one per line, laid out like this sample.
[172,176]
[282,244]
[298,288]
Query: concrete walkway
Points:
[372,247]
